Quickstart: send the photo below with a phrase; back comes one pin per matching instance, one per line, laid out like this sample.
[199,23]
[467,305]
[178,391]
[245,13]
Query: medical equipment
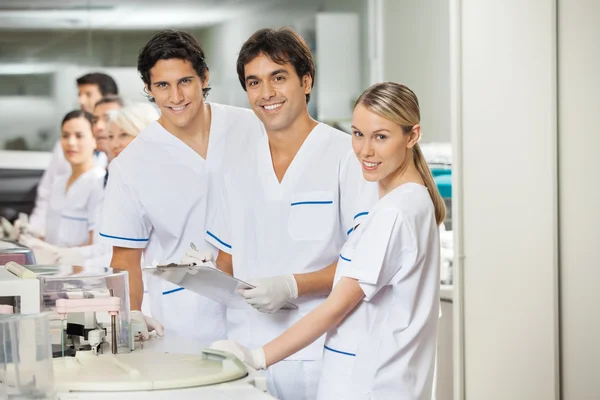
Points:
[34,289]
[25,357]
[208,281]
[12,251]
[88,364]
[92,301]
[18,289]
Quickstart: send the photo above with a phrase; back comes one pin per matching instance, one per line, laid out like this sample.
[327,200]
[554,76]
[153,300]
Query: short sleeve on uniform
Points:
[218,225]
[357,195]
[124,223]
[379,253]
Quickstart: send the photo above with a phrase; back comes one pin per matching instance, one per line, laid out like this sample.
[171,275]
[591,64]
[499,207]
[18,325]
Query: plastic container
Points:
[58,283]
[26,370]
[12,251]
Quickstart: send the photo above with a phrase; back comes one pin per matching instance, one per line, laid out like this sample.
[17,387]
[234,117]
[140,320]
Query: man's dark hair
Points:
[106,84]
[78,114]
[169,44]
[280,46]
[110,99]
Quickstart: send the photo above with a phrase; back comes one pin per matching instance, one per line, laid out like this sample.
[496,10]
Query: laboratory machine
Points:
[94,352]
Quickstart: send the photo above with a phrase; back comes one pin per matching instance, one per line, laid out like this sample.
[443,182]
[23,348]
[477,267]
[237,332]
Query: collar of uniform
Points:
[157,133]
[275,189]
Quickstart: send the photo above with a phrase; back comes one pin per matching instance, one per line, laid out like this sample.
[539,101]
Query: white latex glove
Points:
[6,228]
[196,257]
[22,226]
[270,294]
[69,256]
[143,324]
[254,358]
[45,253]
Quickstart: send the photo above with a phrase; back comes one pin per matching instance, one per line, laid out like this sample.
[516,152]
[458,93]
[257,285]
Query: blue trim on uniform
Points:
[312,202]
[360,214]
[123,238]
[173,291]
[218,240]
[340,352]
[350,231]
[345,259]
[74,218]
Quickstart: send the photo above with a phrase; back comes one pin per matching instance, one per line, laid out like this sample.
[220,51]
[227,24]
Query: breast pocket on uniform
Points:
[312,215]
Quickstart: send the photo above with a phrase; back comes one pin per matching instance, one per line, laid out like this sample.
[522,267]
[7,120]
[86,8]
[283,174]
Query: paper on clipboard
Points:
[208,281]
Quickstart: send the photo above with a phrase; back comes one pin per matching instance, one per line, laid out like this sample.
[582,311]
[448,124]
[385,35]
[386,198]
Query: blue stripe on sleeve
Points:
[312,202]
[340,352]
[217,239]
[173,291]
[123,238]
[350,231]
[345,259]
[360,214]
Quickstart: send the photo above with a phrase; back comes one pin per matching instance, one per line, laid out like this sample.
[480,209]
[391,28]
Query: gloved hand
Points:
[6,228]
[45,253]
[270,294]
[22,226]
[143,324]
[69,256]
[254,358]
[197,257]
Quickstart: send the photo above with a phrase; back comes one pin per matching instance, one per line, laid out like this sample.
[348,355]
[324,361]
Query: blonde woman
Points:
[126,123]
[381,317]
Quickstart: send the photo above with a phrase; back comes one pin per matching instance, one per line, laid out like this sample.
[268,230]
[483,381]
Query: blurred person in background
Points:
[102,109]
[122,126]
[74,197]
[92,88]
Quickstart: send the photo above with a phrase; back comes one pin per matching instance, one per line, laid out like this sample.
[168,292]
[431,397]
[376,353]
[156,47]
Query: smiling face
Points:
[276,93]
[101,113]
[380,145]
[119,139]
[177,90]
[78,141]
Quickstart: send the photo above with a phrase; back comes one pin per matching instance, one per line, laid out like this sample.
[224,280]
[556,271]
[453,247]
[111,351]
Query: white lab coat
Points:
[157,198]
[71,213]
[58,167]
[296,226]
[385,349]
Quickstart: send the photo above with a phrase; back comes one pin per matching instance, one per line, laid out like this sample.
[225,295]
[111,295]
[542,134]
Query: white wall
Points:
[417,53]
[223,42]
[579,201]
[509,219]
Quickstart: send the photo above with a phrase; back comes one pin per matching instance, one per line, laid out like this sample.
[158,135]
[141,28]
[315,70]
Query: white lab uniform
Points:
[97,256]
[296,226]
[157,197]
[71,213]
[58,167]
[386,348]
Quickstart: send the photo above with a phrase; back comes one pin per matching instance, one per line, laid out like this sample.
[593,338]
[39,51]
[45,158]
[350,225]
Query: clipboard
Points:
[207,281]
